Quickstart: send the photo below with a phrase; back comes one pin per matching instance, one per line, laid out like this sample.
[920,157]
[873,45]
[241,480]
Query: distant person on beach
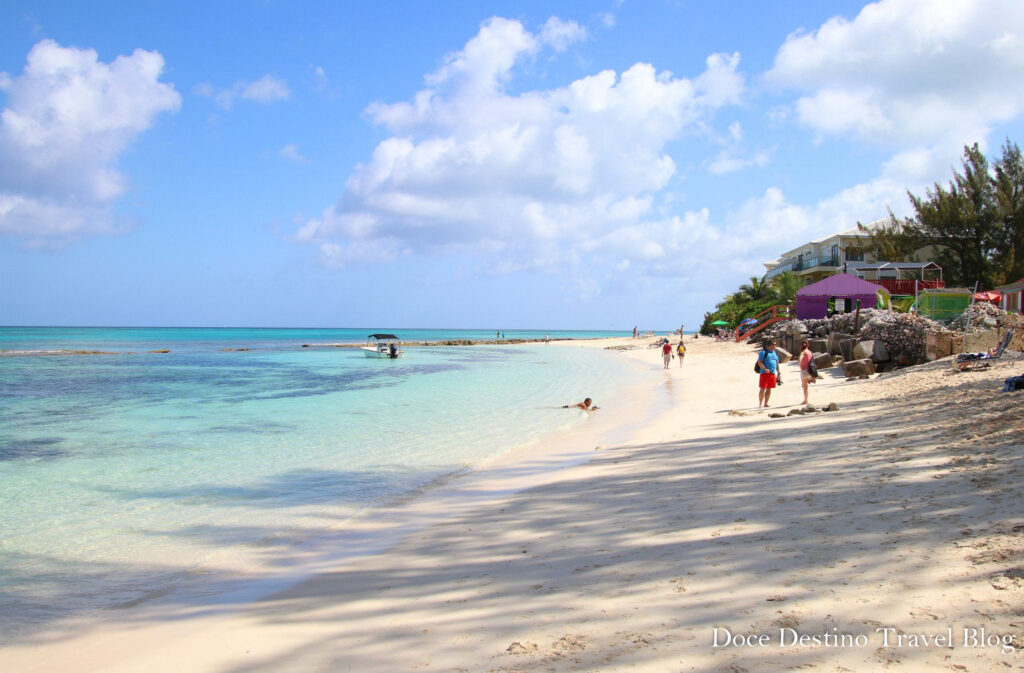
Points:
[768,363]
[585,405]
[681,350]
[666,352]
[806,356]
[634,331]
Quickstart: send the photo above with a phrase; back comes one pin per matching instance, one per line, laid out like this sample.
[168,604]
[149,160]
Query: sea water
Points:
[123,475]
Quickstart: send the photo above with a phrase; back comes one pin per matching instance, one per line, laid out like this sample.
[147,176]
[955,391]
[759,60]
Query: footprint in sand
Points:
[570,643]
[522,648]
[787,621]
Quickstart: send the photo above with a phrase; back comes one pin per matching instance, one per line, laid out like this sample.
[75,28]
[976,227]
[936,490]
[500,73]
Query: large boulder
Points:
[873,349]
[847,348]
[823,361]
[794,327]
[835,340]
[818,345]
[938,344]
[855,368]
[784,355]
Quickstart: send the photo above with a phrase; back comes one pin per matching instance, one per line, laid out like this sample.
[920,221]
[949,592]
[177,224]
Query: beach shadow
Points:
[695,533]
[769,518]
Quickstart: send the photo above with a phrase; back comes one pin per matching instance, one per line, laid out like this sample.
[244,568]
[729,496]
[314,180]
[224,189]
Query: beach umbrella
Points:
[720,323]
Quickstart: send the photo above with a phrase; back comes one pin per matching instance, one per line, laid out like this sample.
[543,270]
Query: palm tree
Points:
[785,286]
[756,290]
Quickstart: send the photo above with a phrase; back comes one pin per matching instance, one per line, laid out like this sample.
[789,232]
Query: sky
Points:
[499,165]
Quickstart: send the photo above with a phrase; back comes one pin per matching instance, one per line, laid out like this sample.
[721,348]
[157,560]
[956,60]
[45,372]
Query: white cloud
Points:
[68,119]
[769,224]
[487,58]
[909,71]
[562,34]
[727,162]
[321,81]
[341,255]
[702,245]
[291,153]
[267,89]
[470,167]
[733,157]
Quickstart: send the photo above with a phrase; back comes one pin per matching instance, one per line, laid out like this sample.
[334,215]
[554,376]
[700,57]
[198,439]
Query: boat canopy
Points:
[382,336]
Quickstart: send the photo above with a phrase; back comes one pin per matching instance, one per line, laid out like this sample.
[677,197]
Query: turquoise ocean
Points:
[127,475]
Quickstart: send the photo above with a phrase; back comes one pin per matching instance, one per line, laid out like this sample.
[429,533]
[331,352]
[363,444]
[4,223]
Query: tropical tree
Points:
[785,286]
[1009,193]
[964,221]
[756,290]
[975,223]
[895,241]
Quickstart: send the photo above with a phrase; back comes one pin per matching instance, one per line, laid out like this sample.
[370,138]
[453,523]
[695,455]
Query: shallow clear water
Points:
[122,474]
[142,339]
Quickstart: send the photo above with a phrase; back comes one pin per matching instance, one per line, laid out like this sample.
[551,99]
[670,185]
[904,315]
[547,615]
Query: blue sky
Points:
[587,165]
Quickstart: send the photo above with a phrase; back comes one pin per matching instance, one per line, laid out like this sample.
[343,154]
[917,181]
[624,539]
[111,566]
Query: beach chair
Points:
[966,361]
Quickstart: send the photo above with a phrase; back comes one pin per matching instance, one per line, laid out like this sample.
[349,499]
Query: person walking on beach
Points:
[666,352]
[681,350]
[634,331]
[806,356]
[768,363]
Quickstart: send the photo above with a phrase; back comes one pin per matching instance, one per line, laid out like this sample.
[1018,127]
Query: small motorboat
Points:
[382,346]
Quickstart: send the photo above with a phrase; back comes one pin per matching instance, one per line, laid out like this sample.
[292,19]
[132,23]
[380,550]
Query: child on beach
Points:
[681,350]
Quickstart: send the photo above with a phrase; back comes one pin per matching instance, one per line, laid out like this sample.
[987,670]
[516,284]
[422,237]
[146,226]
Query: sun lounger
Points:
[966,361]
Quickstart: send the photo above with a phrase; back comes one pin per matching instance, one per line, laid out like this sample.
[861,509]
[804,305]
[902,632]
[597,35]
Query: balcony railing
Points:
[780,269]
[820,261]
[802,265]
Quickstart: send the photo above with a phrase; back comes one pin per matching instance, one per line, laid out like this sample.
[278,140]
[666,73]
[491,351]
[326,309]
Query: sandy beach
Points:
[885,535]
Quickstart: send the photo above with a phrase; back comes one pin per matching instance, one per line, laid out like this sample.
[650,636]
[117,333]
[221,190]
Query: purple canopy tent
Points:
[812,301]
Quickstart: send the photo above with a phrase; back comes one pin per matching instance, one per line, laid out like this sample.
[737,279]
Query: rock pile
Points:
[902,333]
[982,315]
[883,340]
[898,337]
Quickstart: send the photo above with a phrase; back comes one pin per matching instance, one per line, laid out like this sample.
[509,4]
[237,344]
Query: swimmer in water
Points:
[585,405]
